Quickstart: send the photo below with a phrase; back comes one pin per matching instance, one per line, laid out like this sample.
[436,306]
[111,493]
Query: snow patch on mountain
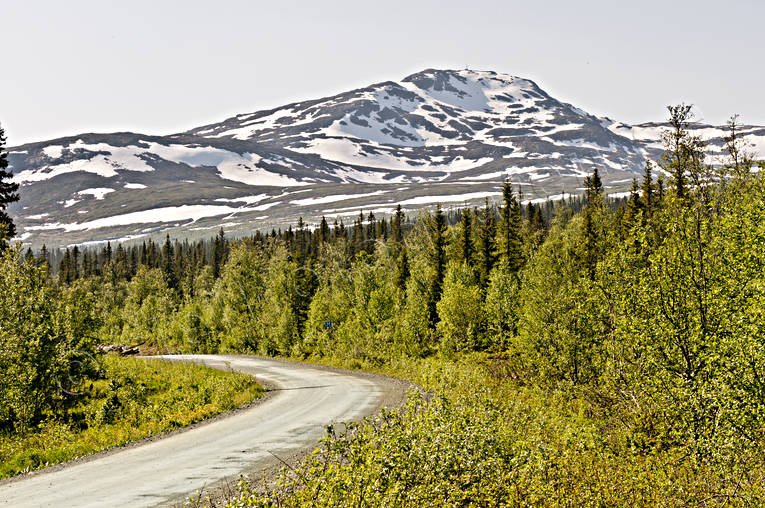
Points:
[150,216]
[330,199]
[244,199]
[107,160]
[98,193]
[436,136]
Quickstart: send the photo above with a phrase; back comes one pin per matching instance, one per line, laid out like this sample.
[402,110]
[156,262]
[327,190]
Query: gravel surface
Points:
[252,442]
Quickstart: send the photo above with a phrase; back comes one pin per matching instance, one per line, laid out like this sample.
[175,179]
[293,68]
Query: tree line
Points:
[650,306]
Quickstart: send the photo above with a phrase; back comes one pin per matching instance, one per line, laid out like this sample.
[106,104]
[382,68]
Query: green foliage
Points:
[560,322]
[240,293]
[43,351]
[502,307]
[148,305]
[462,324]
[692,316]
[484,441]
[128,399]
[280,318]
[633,329]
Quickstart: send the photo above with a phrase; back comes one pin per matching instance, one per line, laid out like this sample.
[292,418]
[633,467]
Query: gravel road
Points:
[301,401]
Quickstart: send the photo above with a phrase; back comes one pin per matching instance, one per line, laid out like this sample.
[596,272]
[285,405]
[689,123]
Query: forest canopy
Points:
[651,308]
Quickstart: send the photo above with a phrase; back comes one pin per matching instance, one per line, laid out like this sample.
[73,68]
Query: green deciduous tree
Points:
[46,341]
[462,319]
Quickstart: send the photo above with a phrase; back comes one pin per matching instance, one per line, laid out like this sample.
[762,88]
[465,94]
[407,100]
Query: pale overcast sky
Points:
[159,67]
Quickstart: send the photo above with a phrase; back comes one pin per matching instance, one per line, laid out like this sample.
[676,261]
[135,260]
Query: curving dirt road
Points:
[304,400]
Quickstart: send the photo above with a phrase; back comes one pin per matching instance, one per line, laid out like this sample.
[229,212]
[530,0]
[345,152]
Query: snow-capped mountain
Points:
[436,136]
[438,126]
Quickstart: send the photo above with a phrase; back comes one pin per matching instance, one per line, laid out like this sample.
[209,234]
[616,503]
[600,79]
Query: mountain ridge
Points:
[436,135]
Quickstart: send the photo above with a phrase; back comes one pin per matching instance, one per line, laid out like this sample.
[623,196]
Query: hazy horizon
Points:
[160,69]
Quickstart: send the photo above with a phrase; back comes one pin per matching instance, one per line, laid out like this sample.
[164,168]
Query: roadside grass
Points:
[484,439]
[133,398]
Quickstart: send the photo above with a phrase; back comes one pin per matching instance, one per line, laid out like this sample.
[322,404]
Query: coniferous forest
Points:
[587,351]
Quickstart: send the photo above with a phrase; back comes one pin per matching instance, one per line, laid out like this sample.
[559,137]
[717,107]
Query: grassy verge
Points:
[132,400]
[484,439]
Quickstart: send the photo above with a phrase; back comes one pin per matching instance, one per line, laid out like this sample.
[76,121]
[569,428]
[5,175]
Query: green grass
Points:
[484,439]
[132,400]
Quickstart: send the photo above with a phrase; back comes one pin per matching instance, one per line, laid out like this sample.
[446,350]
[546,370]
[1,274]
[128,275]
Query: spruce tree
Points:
[65,271]
[511,248]
[594,201]
[635,204]
[8,194]
[218,253]
[168,257]
[646,189]
[660,188]
[402,270]
[143,258]
[467,249]
[357,235]
[486,243]
[395,230]
[438,262]
[593,187]
[323,230]
[43,258]
[76,262]
[371,233]
[300,244]
[382,229]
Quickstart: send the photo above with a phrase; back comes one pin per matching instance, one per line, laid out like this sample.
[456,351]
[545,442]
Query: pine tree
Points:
[8,194]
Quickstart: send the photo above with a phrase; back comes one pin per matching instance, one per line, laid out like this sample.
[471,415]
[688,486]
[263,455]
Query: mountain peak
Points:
[440,79]
[438,135]
[473,89]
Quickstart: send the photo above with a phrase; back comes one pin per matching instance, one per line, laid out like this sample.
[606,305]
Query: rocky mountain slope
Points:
[436,136]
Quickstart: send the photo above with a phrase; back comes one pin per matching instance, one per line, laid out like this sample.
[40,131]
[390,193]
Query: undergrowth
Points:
[132,399]
[484,439]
